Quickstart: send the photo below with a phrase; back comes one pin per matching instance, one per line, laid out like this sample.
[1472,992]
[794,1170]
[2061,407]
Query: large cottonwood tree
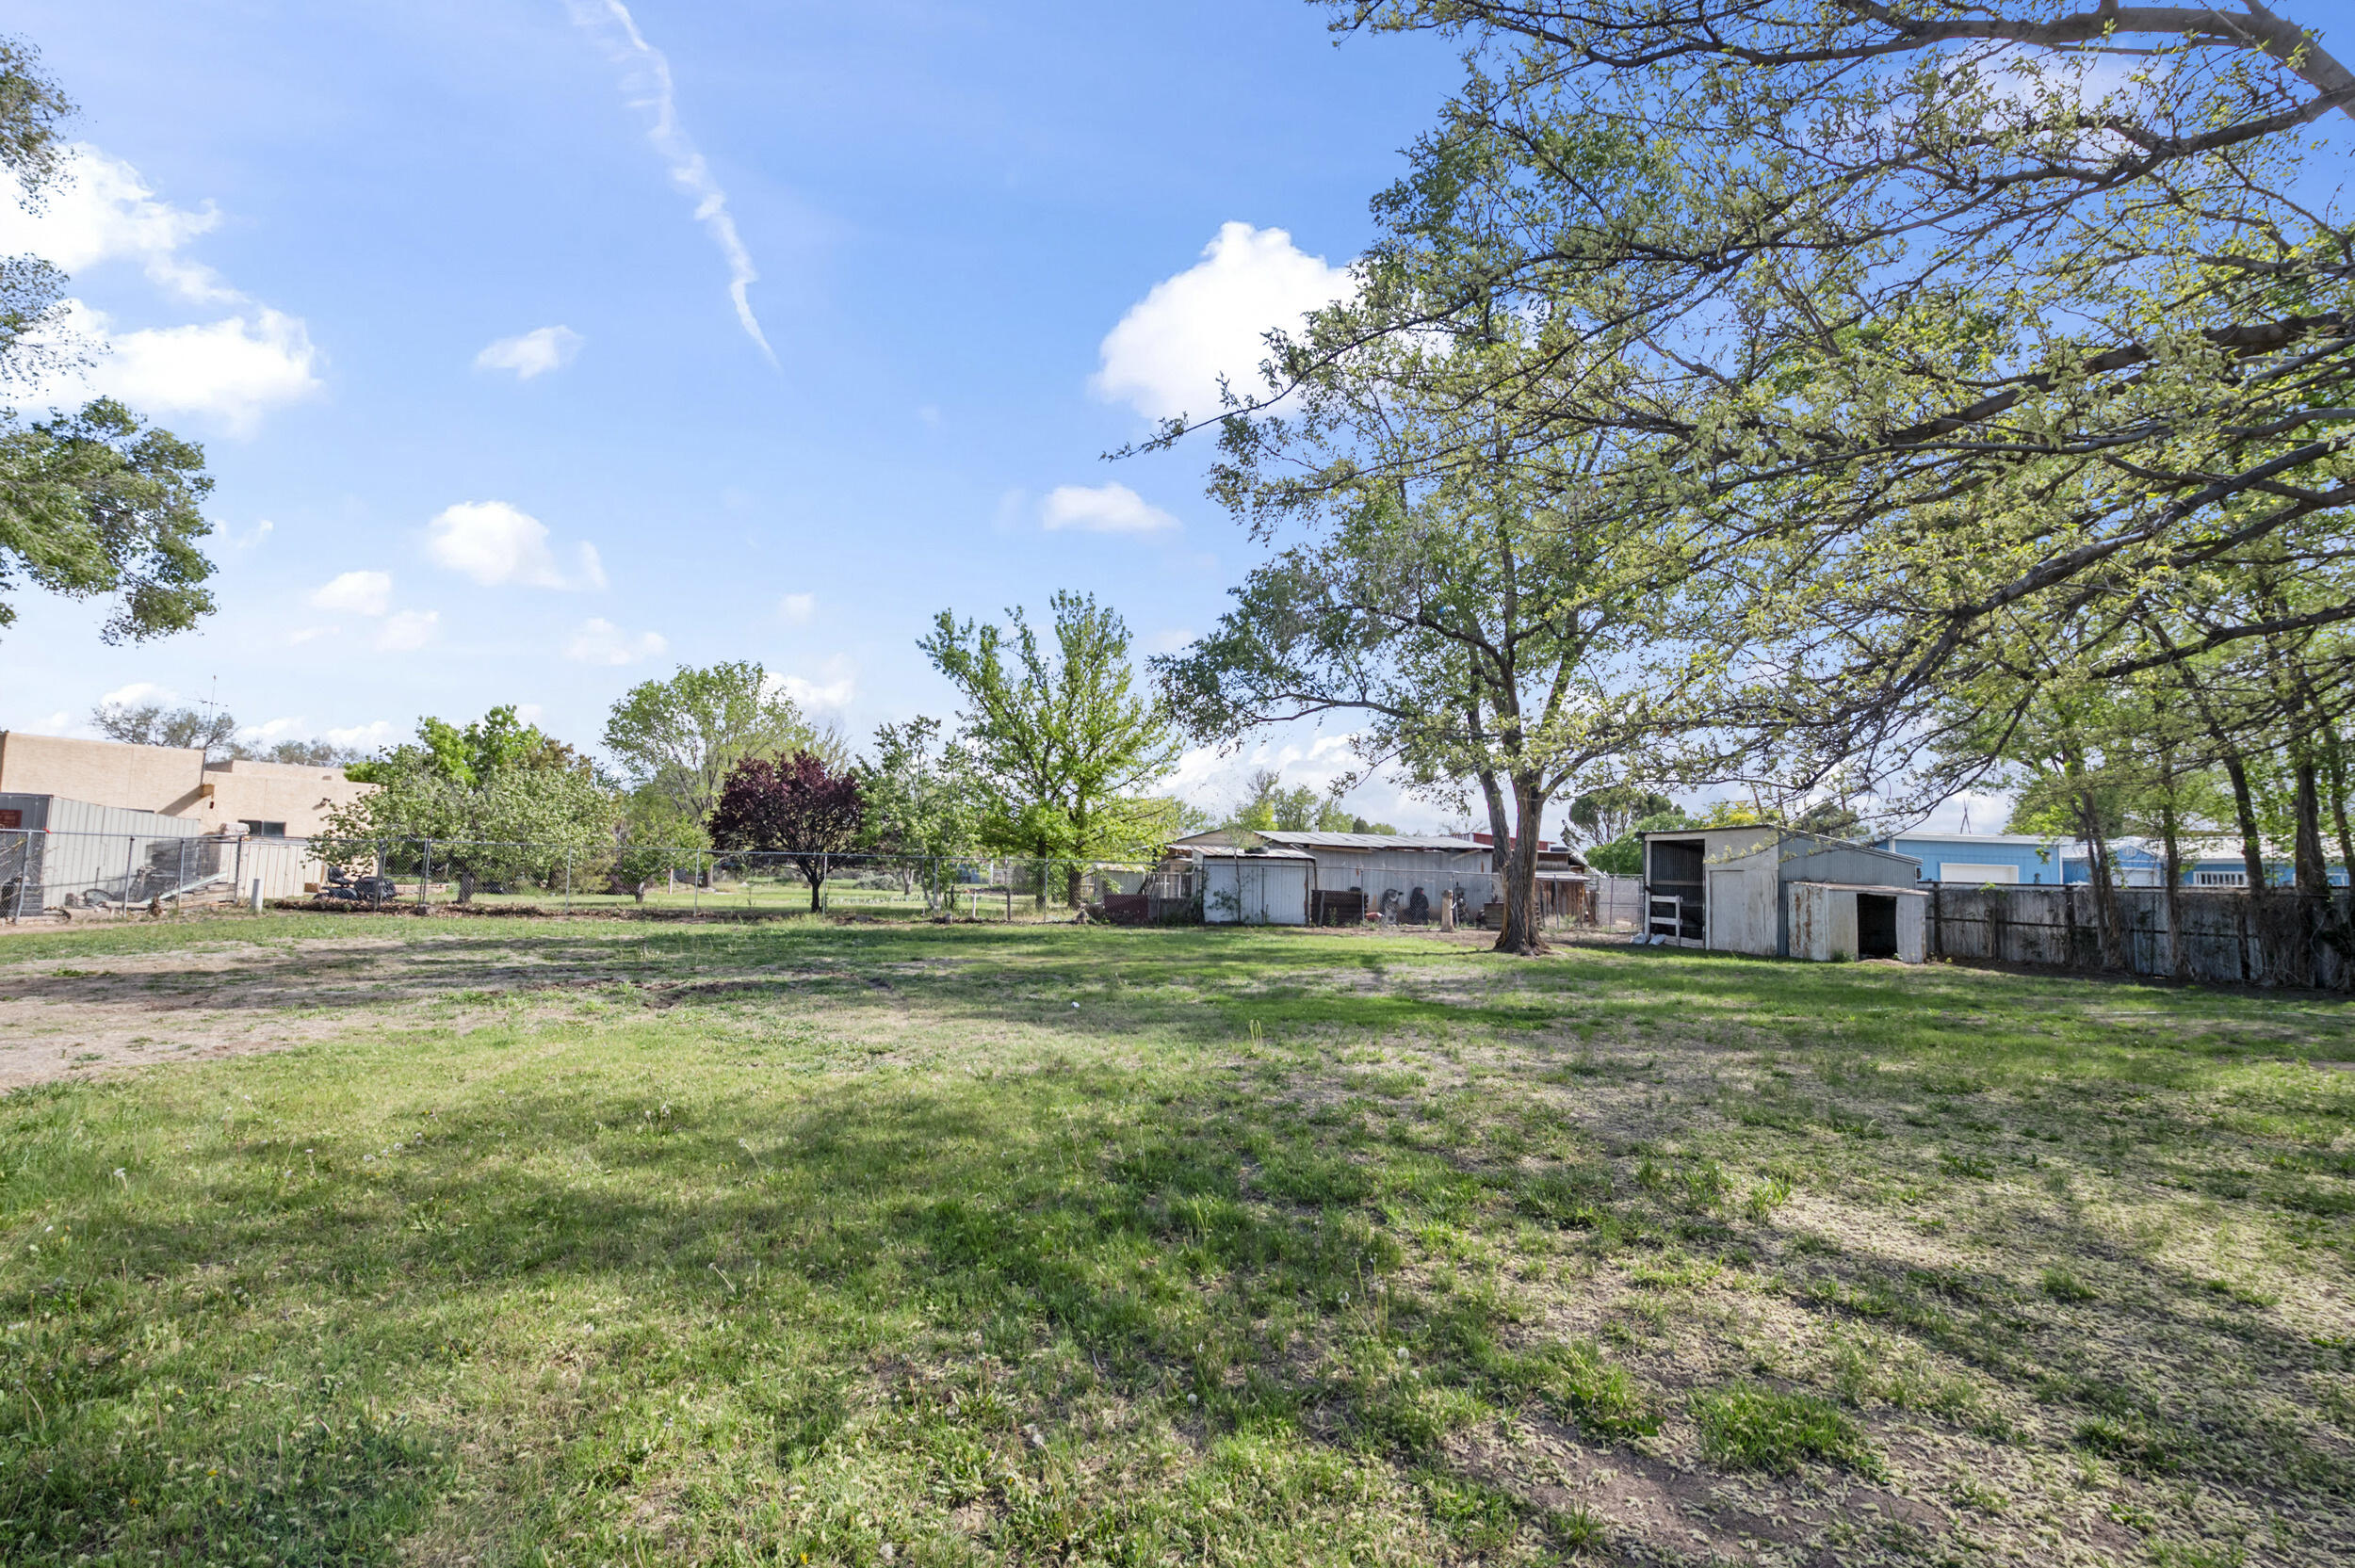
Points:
[1949,320]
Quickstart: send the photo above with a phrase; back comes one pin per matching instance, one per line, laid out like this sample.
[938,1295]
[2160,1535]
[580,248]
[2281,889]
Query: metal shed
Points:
[1400,875]
[1256,886]
[1779,893]
[53,849]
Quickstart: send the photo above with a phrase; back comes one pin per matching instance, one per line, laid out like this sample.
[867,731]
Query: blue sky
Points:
[443,291]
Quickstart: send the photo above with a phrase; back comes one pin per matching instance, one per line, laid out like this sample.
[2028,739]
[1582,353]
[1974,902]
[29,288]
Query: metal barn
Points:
[1778,893]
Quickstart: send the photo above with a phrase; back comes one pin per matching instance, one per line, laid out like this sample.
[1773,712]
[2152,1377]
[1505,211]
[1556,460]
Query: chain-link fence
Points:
[99,873]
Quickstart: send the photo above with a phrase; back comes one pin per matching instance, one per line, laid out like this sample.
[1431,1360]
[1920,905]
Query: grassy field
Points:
[513,1241]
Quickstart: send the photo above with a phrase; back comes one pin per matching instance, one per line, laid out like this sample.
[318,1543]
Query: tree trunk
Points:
[2313,876]
[2097,862]
[465,887]
[2252,854]
[817,884]
[1522,933]
[2171,866]
[2336,756]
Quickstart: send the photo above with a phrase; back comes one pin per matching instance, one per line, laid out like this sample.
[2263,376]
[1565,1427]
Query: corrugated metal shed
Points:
[1724,888]
[72,846]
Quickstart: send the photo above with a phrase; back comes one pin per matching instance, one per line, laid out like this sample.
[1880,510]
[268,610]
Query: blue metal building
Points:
[1977,858]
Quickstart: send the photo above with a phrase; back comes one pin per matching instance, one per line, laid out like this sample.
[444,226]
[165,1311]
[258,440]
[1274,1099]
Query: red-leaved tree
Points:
[790,806]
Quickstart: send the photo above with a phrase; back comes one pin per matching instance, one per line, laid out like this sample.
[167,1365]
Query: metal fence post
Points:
[568,880]
[24,872]
[130,856]
[179,886]
[425,876]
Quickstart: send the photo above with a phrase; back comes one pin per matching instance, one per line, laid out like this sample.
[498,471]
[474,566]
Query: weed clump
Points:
[1749,1426]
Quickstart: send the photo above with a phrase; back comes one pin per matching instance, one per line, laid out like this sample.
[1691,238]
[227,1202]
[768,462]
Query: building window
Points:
[264,830]
[2220,879]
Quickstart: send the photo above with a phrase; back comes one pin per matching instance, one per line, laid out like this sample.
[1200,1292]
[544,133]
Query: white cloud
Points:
[796,608]
[302,634]
[1113,509]
[600,642]
[102,210]
[495,543]
[532,353]
[234,370]
[1216,779]
[408,631]
[530,712]
[367,736]
[1169,641]
[252,537]
[1167,355]
[356,593]
[832,692]
[271,730]
[137,691]
[648,78]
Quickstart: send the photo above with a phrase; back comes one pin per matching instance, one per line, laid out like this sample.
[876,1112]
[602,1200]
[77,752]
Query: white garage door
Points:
[1969,871]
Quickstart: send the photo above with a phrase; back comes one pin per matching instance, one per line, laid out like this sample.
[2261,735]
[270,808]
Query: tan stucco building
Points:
[267,799]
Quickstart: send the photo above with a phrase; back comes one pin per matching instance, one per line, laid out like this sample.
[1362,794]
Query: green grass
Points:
[1748,1427]
[587,1243]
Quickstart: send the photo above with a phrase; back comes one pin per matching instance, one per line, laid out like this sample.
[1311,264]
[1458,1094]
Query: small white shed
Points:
[1256,886]
[1841,921]
[1779,893]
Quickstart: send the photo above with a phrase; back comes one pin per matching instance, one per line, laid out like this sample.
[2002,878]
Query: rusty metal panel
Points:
[1822,921]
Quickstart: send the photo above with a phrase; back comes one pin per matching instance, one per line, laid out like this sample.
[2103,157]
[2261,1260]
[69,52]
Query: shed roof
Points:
[2038,841]
[1782,835]
[1340,841]
[1236,851]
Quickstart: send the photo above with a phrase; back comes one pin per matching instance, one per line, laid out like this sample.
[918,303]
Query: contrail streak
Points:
[649,78]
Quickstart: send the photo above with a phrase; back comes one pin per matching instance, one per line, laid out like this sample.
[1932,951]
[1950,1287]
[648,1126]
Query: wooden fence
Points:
[2272,938]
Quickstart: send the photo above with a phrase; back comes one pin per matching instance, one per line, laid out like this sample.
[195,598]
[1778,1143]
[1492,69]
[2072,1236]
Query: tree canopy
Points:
[676,740]
[1060,740]
[94,503]
[795,806]
[1966,345]
[497,799]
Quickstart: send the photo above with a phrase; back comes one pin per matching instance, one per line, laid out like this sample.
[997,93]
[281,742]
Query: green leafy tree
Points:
[1061,740]
[1480,592]
[1603,816]
[922,799]
[153,724]
[681,735]
[497,800]
[1970,332]
[93,504]
[1624,855]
